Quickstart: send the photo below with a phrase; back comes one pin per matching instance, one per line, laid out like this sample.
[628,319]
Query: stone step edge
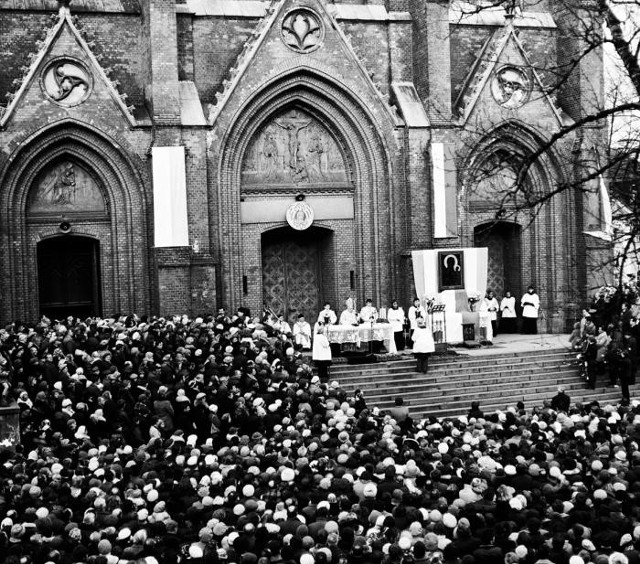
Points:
[412,377]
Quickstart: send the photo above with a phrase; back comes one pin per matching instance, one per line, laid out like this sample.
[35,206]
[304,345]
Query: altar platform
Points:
[507,344]
[516,343]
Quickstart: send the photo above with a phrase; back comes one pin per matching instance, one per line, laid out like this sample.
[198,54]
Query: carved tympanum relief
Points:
[65,187]
[293,149]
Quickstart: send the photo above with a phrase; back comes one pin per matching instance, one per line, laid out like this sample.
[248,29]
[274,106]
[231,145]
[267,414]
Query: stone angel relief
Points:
[66,82]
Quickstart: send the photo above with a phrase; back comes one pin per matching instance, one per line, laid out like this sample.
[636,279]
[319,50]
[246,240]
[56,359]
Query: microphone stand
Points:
[371,336]
[542,342]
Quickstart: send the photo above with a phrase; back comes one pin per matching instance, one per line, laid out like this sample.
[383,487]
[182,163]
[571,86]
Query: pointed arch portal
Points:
[304,134]
[74,212]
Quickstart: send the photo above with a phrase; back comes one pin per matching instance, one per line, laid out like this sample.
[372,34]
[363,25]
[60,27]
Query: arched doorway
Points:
[69,276]
[503,239]
[73,173]
[296,267]
[303,134]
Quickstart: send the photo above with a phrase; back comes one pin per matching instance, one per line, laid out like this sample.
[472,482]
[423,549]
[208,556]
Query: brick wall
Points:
[466,44]
[371,42]
[119,43]
[162,91]
[185,47]
[149,52]
[174,279]
[19,32]
[217,43]
[432,64]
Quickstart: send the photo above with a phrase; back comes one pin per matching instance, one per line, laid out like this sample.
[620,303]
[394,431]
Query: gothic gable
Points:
[299,34]
[503,83]
[65,80]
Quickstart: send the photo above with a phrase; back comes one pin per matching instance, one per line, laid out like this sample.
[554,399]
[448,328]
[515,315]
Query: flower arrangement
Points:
[605,293]
[427,302]
[473,298]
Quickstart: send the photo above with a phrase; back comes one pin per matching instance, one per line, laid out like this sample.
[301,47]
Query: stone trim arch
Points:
[522,141]
[125,263]
[366,152]
[549,254]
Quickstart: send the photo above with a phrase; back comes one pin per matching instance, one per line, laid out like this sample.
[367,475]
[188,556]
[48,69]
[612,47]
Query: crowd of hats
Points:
[210,440]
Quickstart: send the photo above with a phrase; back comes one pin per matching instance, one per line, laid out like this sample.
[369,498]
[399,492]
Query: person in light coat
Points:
[423,345]
[321,353]
[489,314]
[490,304]
[416,312]
[395,316]
[530,303]
[508,313]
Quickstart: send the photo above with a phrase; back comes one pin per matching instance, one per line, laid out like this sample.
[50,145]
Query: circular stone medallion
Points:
[66,82]
[300,216]
[302,30]
[510,87]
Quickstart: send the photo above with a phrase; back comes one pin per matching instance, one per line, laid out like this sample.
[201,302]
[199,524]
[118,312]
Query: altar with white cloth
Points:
[469,266]
[363,333]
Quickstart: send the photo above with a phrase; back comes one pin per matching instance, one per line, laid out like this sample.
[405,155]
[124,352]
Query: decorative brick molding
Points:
[126,283]
[366,155]
[549,254]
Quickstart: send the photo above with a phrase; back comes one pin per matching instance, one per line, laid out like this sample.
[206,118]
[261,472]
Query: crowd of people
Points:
[607,339]
[168,440]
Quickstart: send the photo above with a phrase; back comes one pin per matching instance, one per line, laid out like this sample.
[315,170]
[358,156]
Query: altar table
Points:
[363,333]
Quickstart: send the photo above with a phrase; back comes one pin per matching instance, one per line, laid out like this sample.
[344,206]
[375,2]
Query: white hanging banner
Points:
[170,197]
[445,212]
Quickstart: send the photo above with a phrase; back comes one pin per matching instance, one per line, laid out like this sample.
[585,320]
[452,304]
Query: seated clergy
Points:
[302,333]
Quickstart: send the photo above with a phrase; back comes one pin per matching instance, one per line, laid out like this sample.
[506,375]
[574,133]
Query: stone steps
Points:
[407,369]
[453,382]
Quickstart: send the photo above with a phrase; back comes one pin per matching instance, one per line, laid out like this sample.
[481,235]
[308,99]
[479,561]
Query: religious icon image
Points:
[302,31]
[450,270]
[300,216]
[510,87]
[66,82]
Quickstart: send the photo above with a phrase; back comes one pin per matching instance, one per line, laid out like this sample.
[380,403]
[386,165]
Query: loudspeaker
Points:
[64,227]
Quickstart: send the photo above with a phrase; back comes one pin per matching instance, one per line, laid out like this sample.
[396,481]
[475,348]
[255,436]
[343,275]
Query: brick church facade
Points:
[174,156]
